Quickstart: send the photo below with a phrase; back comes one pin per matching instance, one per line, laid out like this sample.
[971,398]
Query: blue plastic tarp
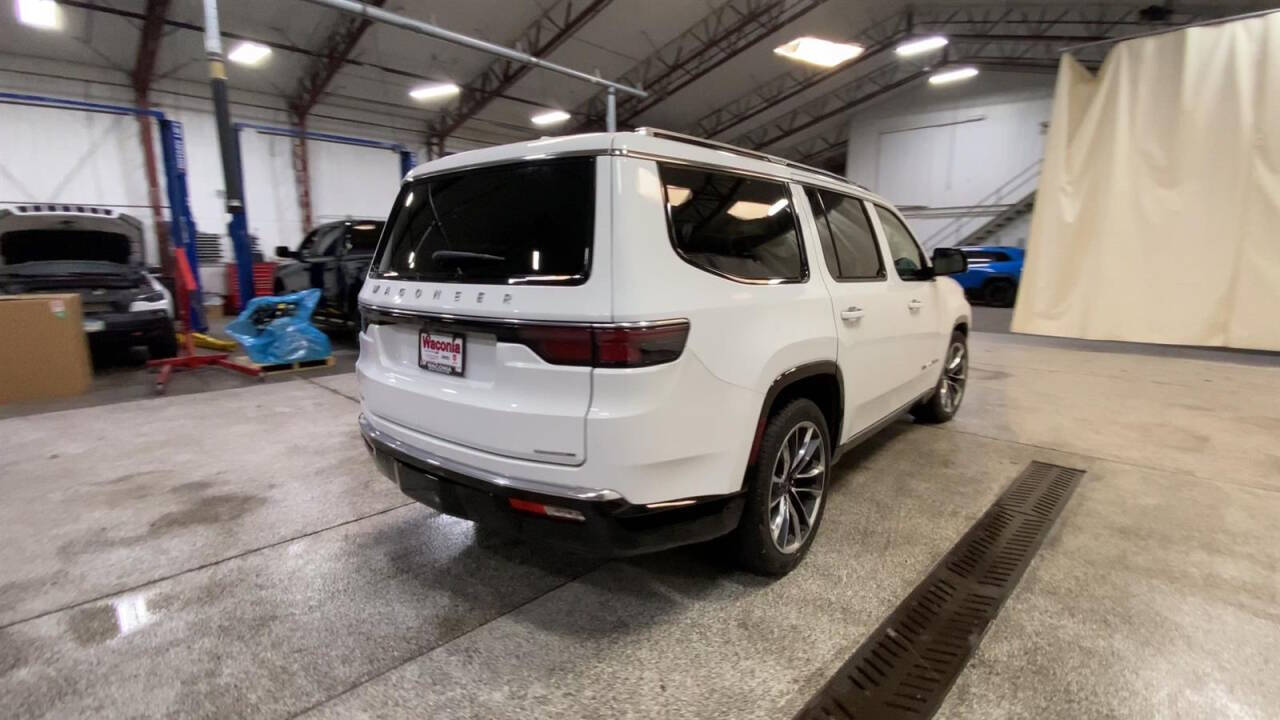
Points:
[277,329]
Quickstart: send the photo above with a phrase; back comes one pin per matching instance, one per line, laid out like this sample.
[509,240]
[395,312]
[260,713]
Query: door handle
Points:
[914,305]
[852,313]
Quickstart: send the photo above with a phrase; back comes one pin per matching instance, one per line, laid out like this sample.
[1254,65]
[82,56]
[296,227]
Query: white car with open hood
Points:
[624,342]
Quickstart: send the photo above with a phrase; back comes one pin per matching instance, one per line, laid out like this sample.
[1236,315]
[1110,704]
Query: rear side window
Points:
[908,259]
[527,223]
[985,255]
[363,236]
[848,243]
[733,225]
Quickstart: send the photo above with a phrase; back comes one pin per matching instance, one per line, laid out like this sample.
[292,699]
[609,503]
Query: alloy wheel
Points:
[795,494]
[954,374]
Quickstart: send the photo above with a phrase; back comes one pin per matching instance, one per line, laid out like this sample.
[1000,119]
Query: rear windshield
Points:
[522,223]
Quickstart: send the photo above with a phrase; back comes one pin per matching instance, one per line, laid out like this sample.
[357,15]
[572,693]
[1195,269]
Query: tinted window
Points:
[363,236]
[908,260]
[320,241]
[848,243]
[525,223]
[734,225]
[985,255]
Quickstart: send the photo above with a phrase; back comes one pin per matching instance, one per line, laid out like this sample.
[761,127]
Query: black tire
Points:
[164,345]
[1000,292]
[754,540]
[939,408]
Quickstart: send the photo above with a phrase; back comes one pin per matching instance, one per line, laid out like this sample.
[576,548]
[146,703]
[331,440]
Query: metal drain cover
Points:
[906,666]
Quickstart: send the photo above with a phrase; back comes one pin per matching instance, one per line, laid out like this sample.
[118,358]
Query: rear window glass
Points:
[848,243]
[363,236]
[986,255]
[733,225]
[521,223]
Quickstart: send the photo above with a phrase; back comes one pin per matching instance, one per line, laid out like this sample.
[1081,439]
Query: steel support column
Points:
[237,226]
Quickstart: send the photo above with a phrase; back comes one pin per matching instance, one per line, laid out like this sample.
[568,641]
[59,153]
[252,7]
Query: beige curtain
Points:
[1158,212]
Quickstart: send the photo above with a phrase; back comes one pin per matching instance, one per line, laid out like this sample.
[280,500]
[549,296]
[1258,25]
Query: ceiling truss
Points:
[730,29]
[1022,37]
[549,32]
[325,65]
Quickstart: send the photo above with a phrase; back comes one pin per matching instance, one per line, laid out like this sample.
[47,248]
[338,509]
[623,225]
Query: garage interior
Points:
[226,548]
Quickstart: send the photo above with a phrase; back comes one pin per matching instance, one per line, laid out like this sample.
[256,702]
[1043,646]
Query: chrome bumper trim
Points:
[430,460]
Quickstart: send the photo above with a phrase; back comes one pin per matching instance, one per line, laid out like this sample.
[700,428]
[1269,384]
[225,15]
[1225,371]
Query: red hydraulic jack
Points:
[187,358]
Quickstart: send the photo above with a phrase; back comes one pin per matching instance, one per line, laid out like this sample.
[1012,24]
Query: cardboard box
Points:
[44,353]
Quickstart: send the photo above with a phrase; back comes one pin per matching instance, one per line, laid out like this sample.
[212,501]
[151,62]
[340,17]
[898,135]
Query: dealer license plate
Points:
[442,352]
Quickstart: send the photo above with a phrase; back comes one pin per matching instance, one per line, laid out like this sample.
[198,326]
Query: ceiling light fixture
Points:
[432,91]
[248,53]
[551,117]
[950,76]
[817,51]
[920,46]
[43,14]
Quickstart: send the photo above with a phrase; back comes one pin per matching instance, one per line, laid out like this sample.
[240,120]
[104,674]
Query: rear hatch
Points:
[478,301]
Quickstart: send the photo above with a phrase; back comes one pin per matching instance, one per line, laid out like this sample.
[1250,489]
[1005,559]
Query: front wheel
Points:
[942,405]
[786,492]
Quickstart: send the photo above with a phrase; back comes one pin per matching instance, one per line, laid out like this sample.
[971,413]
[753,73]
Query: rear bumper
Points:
[609,525]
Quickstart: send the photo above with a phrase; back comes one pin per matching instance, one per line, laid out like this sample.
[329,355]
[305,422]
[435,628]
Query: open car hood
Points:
[27,237]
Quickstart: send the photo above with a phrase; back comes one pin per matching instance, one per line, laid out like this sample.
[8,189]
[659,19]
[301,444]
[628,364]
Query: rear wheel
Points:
[1001,292]
[947,394]
[786,493]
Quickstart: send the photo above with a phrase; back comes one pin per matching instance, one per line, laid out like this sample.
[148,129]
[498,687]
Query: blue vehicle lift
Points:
[408,159]
[182,226]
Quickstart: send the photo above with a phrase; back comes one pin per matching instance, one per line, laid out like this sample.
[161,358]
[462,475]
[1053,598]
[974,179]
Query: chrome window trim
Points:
[430,460]
[409,314]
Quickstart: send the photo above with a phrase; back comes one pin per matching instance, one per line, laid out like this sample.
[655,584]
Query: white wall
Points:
[71,156]
[940,148]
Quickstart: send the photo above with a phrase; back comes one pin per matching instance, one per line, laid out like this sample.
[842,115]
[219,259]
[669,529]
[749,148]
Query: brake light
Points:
[606,347]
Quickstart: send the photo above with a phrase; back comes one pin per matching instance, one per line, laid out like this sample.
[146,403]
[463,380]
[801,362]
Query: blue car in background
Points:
[993,275]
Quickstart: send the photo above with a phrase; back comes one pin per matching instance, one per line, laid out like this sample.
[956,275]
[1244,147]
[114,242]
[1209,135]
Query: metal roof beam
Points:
[1060,22]
[720,36]
[149,46]
[547,33]
[328,61]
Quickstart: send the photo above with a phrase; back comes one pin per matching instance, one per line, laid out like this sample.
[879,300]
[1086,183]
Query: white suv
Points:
[631,341]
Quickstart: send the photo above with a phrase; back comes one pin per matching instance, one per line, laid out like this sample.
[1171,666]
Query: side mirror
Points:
[284,251]
[949,261]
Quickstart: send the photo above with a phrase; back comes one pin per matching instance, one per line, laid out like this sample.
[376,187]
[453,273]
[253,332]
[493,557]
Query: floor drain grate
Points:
[906,666]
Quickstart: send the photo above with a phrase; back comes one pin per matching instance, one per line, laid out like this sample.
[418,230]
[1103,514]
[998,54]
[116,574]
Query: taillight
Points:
[621,346]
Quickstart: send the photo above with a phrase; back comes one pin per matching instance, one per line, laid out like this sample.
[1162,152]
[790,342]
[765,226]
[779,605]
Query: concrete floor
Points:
[233,553]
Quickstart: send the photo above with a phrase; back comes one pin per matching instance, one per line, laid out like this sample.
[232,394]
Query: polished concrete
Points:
[233,553]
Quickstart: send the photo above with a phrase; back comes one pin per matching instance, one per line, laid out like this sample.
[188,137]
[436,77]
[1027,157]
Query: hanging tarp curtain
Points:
[1157,217]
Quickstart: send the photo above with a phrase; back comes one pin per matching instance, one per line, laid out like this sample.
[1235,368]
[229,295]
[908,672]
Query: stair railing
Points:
[1016,187]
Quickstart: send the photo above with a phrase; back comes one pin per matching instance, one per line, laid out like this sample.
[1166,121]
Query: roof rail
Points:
[681,137]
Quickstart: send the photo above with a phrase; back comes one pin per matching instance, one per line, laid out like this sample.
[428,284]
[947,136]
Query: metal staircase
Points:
[999,222]
[1009,201]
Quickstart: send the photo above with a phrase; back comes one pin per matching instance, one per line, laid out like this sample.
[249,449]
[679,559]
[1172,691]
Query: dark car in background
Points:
[994,273]
[96,253]
[335,258]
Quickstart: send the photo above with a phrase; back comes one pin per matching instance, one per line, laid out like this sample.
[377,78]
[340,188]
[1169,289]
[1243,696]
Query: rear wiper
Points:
[462,255]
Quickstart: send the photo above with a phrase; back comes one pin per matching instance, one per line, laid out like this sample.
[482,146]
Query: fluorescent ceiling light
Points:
[950,76]
[777,207]
[43,14]
[748,210]
[817,51]
[920,46]
[248,53]
[434,90]
[677,195]
[551,117]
